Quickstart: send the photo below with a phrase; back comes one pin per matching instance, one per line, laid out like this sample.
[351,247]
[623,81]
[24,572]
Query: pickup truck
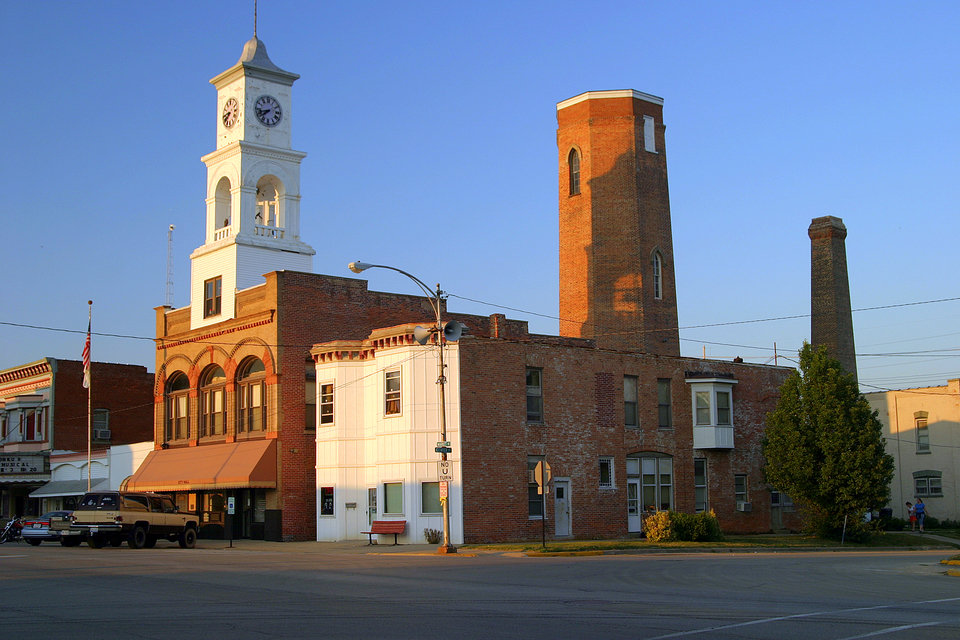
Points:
[140,518]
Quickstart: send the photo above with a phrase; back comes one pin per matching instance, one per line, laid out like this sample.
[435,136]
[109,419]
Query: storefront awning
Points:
[60,488]
[234,465]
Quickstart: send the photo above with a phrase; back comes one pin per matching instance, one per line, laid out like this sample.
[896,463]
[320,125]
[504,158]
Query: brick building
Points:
[43,409]
[627,425]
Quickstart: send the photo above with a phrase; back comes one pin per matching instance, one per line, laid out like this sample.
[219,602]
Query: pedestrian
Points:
[921,510]
[911,515]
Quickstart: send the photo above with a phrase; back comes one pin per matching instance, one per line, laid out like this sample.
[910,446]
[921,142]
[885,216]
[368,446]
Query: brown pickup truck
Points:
[110,517]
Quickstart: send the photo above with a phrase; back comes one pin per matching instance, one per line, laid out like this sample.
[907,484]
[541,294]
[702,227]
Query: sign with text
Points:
[444,471]
[444,491]
[17,463]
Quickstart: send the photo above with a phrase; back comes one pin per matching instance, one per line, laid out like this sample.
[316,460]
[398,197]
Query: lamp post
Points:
[434,297]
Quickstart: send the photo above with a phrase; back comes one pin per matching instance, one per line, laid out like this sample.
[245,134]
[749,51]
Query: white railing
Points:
[222,233]
[268,232]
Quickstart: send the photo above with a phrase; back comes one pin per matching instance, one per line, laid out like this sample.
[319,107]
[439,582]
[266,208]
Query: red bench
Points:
[395,527]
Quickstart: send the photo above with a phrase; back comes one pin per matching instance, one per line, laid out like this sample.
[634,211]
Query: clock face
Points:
[268,110]
[231,113]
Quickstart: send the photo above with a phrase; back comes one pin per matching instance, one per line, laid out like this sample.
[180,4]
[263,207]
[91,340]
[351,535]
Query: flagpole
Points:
[88,383]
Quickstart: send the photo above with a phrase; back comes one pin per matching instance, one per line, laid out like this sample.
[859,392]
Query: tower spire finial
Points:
[254,18]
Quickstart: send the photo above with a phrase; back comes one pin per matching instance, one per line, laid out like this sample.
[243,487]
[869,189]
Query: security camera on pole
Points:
[445,332]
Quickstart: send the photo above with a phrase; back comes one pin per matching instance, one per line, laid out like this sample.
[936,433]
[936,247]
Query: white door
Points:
[371,506]
[634,515]
[561,506]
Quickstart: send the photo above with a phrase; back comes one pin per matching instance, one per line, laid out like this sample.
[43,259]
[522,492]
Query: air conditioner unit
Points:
[746,507]
[101,434]
[531,476]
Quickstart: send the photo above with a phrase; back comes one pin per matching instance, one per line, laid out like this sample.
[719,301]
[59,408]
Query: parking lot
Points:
[303,590]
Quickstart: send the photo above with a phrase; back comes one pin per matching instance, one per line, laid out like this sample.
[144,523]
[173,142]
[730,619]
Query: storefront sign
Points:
[22,463]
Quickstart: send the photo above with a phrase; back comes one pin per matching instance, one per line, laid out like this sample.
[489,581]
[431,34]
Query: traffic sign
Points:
[443,450]
[444,471]
[445,443]
[444,491]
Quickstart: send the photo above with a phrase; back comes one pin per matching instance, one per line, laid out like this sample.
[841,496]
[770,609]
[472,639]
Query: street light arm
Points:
[433,296]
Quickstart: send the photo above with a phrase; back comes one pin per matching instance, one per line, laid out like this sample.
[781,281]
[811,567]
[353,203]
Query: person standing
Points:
[911,515]
[921,510]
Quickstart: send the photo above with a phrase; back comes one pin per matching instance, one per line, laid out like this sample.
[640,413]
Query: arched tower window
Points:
[213,410]
[268,203]
[657,275]
[573,163]
[251,396]
[223,216]
[176,392]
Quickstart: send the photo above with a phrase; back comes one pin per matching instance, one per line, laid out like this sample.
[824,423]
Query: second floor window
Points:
[391,393]
[251,395]
[534,395]
[326,403]
[212,293]
[664,410]
[923,435]
[630,413]
[213,409]
[178,388]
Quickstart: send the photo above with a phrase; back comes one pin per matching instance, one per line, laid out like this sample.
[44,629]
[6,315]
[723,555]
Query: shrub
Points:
[432,535]
[665,526]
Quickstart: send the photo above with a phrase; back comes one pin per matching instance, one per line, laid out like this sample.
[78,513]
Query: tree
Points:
[824,446]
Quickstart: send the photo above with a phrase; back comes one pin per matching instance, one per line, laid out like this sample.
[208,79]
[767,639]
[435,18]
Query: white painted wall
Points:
[365,449]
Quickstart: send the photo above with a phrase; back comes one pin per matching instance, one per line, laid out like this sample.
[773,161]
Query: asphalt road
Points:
[307,592]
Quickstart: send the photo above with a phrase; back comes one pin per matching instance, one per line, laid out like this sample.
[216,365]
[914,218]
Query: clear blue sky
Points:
[430,129]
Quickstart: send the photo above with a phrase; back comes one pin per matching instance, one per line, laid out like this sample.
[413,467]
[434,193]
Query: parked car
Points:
[37,529]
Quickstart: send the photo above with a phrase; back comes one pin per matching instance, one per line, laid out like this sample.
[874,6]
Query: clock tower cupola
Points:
[252,221]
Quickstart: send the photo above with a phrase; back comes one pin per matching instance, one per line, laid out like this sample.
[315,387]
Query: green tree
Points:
[824,447]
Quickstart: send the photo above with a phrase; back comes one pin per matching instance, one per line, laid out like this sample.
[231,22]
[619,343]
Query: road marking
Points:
[795,616]
[891,630]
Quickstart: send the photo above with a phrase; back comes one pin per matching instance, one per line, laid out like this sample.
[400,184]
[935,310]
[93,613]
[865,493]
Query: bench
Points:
[395,527]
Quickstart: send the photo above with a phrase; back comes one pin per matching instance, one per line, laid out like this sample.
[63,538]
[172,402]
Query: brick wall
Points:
[831,319]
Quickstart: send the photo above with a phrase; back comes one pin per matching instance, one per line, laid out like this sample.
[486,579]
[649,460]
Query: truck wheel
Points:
[188,539]
[95,542]
[138,538]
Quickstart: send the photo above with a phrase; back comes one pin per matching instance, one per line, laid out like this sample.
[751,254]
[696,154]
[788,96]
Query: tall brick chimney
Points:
[616,245]
[831,320]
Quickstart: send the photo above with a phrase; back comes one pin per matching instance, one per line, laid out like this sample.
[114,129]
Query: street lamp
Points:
[449,332]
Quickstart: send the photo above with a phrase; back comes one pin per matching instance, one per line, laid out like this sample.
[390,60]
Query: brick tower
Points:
[616,247]
[831,320]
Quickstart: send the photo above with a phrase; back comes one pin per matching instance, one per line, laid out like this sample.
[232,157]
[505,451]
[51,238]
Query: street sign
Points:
[444,491]
[445,443]
[444,471]
[231,505]
[443,450]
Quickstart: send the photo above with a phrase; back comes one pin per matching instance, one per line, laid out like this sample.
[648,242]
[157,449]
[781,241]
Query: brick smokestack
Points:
[831,320]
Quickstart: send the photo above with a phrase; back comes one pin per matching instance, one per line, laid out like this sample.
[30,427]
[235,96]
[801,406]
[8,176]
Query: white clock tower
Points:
[253,188]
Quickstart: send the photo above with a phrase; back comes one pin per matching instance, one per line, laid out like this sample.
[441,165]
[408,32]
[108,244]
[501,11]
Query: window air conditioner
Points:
[746,507]
[101,434]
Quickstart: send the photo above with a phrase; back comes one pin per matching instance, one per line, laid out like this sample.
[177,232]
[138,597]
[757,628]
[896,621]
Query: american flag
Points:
[86,359]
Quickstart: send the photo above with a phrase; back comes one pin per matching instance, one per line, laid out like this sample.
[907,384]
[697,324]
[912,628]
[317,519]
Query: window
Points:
[251,392]
[310,397]
[656,480]
[326,501]
[430,498]
[606,473]
[703,407]
[740,487]
[657,276]
[326,403]
[723,408]
[393,497]
[213,409]
[700,485]
[534,395]
[630,416]
[100,424]
[534,498]
[573,164]
[212,293]
[135,503]
[649,142]
[391,393]
[664,411]
[178,388]
[923,435]
[927,483]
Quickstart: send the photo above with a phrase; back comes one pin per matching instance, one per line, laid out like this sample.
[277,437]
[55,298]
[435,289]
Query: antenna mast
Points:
[168,300]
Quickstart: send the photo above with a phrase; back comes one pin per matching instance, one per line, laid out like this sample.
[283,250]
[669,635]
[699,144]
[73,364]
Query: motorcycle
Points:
[11,532]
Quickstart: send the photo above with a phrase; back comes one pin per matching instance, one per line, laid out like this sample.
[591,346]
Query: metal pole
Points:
[446,547]
[89,395]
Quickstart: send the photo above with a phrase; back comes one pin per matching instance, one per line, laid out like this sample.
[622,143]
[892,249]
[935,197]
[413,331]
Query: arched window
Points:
[268,203]
[213,410]
[573,164]
[177,390]
[222,215]
[251,396]
[657,276]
